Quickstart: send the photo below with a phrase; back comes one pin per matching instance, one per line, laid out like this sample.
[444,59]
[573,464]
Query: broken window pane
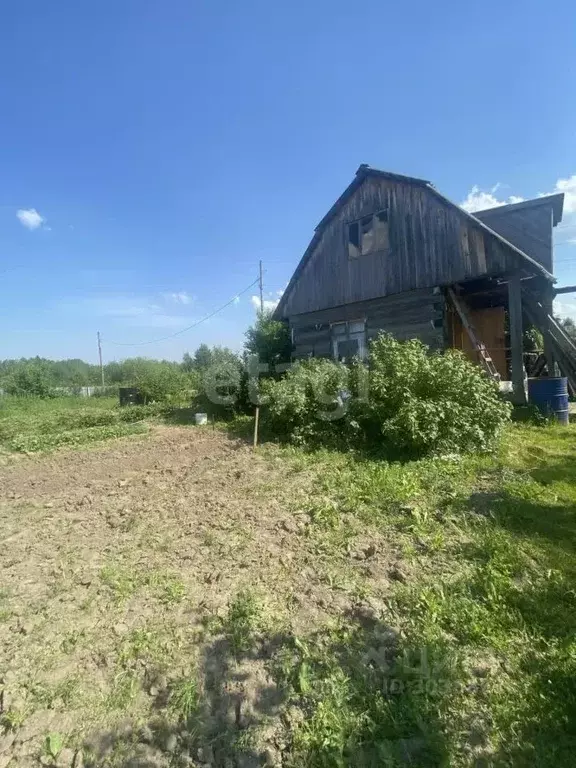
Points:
[381,239]
[367,234]
[353,240]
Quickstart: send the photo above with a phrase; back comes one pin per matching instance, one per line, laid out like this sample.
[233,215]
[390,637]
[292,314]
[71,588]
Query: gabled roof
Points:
[555,201]
[364,171]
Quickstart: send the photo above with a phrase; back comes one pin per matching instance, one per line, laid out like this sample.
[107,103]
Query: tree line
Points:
[42,377]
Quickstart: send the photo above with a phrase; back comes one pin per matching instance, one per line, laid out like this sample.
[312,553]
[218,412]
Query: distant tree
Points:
[202,357]
[187,362]
[269,340]
[569,327]
[29,378]
[159,380]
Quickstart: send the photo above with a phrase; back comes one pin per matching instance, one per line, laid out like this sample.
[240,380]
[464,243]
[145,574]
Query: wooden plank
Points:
[431,243]
[516,341]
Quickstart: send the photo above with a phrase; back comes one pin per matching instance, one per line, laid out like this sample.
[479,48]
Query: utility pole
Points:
[100,357]
[261,283]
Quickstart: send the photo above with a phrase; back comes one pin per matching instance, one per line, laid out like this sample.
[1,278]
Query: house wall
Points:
[529,229]
[406,316]
[431,244]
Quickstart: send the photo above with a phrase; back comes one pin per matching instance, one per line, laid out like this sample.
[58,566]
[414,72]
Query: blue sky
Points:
[157,150]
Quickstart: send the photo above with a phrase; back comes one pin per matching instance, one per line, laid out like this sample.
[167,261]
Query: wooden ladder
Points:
[485,359]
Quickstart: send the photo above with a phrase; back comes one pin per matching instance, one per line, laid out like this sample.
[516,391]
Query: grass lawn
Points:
[175,599]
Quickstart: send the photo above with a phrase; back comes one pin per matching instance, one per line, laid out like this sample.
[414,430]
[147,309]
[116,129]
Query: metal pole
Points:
[100,357]
[261,283]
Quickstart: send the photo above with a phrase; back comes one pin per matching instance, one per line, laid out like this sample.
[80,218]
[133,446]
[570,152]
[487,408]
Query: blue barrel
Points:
[550,396]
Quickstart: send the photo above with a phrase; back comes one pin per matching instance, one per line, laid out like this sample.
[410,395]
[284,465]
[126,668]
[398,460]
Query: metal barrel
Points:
[550,396]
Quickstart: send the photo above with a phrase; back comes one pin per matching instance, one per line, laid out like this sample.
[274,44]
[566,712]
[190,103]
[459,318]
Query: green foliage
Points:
[409,402]
[421,403]
[244,620]
[269,340]
[533,339]
[31,443]
[53,745]
[161,381]
[187,363]
[184,700]
[222,385]
[203,357]
[569,327]
[29,378]
[307,407]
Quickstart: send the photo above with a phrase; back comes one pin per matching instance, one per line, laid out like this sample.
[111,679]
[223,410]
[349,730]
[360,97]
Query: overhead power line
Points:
[189,327]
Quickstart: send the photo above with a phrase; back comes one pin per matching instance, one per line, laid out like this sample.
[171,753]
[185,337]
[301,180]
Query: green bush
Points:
[29,379]
[429,403]
[223,386]
[307,406]
[270,341]
[161,382]
[409,402]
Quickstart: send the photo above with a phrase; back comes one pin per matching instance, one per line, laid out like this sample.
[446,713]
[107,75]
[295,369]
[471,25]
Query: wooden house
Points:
[393,254]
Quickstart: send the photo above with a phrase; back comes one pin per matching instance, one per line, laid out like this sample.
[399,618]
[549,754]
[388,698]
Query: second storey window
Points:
[368,235]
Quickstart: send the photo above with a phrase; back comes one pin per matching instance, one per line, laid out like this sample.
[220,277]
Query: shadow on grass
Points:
[337,698]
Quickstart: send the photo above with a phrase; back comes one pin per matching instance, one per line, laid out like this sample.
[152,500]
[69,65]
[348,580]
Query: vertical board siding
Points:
[406,316]
[431,244]
[529,229]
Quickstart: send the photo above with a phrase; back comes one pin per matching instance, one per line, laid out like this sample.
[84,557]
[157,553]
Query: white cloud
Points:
[568,186]
[565,307]
[478,199]
[236,300]
[269,304]
[30,218]
[179,297]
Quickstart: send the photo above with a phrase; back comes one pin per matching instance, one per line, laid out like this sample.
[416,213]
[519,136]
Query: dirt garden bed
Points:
[122,568]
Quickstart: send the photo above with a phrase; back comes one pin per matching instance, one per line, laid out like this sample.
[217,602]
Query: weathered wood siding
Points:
[417,314]
[529,229]
[431,243]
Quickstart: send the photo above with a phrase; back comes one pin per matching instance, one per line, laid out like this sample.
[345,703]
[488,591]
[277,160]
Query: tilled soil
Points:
[117,561]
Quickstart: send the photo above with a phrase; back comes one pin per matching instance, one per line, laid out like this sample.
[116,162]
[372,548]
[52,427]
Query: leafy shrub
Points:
[409,401]
[29,379]
[307,406]
[269,340]
[223,386]
[161,381]
[429,403]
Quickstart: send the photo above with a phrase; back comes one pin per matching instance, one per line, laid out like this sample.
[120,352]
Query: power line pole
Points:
[261,284]
[100,357]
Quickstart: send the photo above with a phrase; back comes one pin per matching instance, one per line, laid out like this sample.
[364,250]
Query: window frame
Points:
[356,242]
[359,336]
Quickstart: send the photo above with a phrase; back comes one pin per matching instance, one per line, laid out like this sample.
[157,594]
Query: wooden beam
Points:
[565,289]
[516,342]
[547,301]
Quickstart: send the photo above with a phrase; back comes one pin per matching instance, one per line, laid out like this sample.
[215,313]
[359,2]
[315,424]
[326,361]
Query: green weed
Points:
[184,699]
[245,618]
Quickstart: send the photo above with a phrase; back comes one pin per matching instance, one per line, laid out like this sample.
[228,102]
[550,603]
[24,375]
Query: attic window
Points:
[368,235]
